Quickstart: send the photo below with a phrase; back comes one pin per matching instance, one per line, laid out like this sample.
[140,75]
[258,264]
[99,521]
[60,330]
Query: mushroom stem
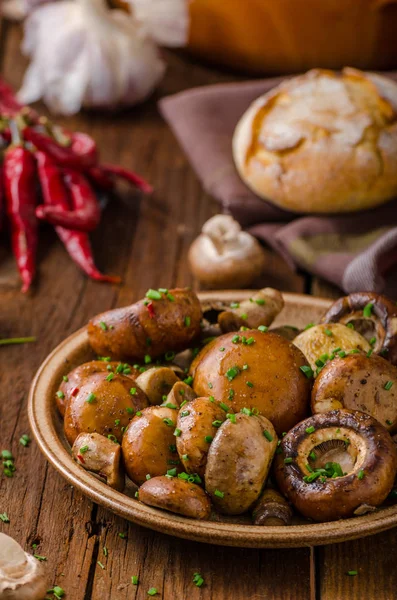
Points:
[272,509]
[98,454]
[21,575]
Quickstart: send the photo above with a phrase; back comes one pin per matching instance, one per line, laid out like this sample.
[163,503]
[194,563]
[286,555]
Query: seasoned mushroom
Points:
[334,462]
[238,462]
[375,314]
[322,342]
[148,446]
[156,383]
[271,509]
[148,327]
[289,332]
[72,382]
[100,455]
[359,383]
[224,256]
[103,406]
[255,369]
[261,309]
[177,496]
[22,576]
[198,422]
[180,392]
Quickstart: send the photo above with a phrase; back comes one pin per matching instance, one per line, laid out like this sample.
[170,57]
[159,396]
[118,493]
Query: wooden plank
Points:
[145,240]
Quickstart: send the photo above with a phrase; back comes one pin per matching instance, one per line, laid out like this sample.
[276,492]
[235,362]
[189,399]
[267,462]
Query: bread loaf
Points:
[322,142]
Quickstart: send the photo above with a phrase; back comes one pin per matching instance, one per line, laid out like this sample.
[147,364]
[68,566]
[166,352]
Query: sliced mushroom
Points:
[289,332]
[261,309]
[22,576]
[177,496]
[179,393]
[334,462]
[272,509]
[156,383]
[98,454]
[320,343]
[375,313]
[224,256]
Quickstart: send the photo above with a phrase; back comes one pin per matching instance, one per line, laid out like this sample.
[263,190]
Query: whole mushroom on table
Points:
[204,438]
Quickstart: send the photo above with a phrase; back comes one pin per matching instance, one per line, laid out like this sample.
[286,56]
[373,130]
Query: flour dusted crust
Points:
[322,142]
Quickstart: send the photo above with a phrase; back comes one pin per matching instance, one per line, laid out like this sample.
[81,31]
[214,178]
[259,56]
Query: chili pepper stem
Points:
[22,340]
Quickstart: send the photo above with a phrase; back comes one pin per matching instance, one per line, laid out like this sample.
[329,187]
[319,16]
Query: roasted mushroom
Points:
[98,454]
[198,423]
[22,576]
[255,369]
[72,382]
[180,393]
[177,496]
[164,320]
[334,462]
[261,309]
[103,405]
[376,315]
[289,332]
[272,509]
[148,446]
[238,462]
[322,342]
[156,383]
[224,256]
[359,383]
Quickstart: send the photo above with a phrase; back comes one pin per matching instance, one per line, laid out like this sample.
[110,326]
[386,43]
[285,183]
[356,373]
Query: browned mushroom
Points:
[156,383]
[334,462]
[261,309]
[272,509]
[224,256]
[96,453]
[181,392]
[176,495]
[374,315]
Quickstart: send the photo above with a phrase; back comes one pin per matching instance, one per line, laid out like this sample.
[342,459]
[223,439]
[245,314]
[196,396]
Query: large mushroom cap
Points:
[21,575]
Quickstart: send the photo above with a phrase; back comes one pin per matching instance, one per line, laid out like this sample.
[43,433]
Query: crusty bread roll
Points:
[322,142]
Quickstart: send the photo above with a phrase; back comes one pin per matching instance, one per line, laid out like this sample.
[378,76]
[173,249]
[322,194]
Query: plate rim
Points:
[219,533]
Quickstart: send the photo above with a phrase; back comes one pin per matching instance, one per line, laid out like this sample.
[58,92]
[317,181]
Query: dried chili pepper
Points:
[76,242]
[100,179]
[62,155]
[86,212]
[19,187]
[83,145]
[8,98]
[130,176]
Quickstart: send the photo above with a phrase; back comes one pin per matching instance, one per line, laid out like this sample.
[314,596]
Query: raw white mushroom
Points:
[224,255]
[21,575]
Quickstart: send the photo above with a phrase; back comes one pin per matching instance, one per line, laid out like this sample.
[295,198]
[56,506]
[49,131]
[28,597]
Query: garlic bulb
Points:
[21,575]
[84,54]
[167,21]
[224,256]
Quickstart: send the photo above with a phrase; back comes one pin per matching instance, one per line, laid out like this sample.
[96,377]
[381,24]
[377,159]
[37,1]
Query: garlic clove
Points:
[167,21]
[21,575]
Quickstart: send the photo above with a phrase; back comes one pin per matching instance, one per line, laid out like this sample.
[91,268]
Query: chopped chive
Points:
[170,297]
[235,339]
[122,535]
[287,461]
[268,435]
[4,517]
[230,394]
[369,353]
[152,592]
[60,394]
[91,398]
[224,406]
[177,432]
[222,349]
[231,417]
[168,422]
[171,472]
[328,332]
[232,373]
[153,295]
[342,354]
[312,455]
[100,564]
[208,439]
[263,328]
[183,403]
[260,301]
[65,378]
[185,457]
[148,476]
[388,385]
[188,380]
[105,551]
[246,411]
[310,429]
[130,410]
[367,310]
[352,573]
[169,356]
[134,580]
[372,341]
[361,474]
[234,305]
[187,321]
[219,494]
[250,384]
[24,440]
[6,454]
[185,413]
[103,325]
[113,438]
[138,413]
[147,359]
[306,370]
[308,326]
[40,558]
[117,422]
[110,377]
[198,580]
[244,316]
[217,423]
[388,422]
[84,449]
[350,325]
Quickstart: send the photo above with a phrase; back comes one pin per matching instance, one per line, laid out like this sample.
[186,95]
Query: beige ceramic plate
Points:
[47,428]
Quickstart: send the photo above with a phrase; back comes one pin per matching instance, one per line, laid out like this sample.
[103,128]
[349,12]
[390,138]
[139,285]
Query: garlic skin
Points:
[225,256]
[21,575]
[166,21]
[86,55]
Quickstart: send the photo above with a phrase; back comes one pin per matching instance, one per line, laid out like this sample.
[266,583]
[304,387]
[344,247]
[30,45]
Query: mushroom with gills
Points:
[334,462]
[375,314]
[261,309]
[22,576]
[271,509]
[176,495]
[148,327]
[102,456]
[225,256]
[156,383]
[321,343]
[358,382]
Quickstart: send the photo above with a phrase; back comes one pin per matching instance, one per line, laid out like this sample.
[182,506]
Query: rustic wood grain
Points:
[146,241]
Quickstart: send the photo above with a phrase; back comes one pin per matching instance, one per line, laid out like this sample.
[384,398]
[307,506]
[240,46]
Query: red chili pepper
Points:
[8,98]
[100,179]
[19,187]
[86,212]
[76,243]
[84,146]
[151,310]
[130,176]
[62,155]
[81,459]
[75,391]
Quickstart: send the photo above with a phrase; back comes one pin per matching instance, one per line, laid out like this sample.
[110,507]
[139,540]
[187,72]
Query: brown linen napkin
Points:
[356,252]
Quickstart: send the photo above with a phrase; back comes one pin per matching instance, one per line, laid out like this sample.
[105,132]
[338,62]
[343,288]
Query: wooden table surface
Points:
[146,241]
